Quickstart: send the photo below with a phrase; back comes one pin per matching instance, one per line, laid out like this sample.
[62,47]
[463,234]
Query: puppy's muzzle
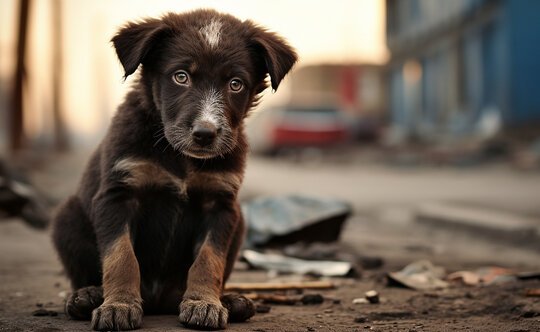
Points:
[204,133]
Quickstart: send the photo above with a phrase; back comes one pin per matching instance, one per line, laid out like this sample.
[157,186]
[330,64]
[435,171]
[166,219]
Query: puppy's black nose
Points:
[204,134]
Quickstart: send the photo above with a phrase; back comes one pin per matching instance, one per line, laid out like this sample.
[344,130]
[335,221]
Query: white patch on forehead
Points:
[212,32]
[212,107]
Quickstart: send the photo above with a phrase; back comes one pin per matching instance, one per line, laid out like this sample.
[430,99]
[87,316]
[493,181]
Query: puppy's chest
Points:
[143,174]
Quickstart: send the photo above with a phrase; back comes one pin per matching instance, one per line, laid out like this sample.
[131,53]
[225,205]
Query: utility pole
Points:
[16,115]
[60,136]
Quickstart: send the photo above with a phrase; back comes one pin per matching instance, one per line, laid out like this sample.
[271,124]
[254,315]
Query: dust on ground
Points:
[31,277]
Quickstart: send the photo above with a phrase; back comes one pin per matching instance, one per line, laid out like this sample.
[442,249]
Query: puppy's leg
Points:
[240,308]
[234,248]
[76,245]
[201,305]
[122,306]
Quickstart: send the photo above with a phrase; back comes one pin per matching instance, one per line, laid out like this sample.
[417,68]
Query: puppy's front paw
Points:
[201,314]
[117,316]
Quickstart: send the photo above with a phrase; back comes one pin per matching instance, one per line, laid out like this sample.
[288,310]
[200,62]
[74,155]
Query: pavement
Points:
[456,218]
[477,215]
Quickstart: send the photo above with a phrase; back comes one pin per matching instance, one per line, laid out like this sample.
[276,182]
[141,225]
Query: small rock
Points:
[311,329]
[390,315]
[530,313]
[39,305]
[312,299]
[370,263]
[40,312]
[263,309]
[361,319]
[328,311]
[336,301]
[360,300]
[57,285]
[63,294]
[372,296]
[535,292]
[44,312]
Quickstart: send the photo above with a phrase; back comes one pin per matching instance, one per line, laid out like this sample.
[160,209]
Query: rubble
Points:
[290,219]
[360,300]
[286,264]
[44,312]
[420,275]
[268,286]
[18,197]
[483,275]
[535,292]
[372,296]
[284,299]
[312,299]
[333,251]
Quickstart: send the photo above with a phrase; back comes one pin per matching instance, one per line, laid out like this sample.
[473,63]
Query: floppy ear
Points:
[278,56]
[133,42]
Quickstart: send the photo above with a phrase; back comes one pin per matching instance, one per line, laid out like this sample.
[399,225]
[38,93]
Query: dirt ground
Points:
[31,276]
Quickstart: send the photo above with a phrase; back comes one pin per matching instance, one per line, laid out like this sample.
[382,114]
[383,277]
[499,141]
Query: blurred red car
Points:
[308,126]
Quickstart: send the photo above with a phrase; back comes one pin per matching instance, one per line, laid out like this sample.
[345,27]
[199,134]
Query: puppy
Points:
[155,225]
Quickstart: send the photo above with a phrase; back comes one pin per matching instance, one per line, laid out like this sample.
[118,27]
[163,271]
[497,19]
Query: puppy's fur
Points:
[155,225]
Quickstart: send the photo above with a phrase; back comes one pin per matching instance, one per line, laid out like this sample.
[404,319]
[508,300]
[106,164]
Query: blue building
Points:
[459,64]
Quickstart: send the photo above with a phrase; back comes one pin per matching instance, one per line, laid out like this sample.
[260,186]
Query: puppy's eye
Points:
[236,84]
[181,77]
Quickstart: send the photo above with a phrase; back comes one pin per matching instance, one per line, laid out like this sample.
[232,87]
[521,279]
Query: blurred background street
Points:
[423,116]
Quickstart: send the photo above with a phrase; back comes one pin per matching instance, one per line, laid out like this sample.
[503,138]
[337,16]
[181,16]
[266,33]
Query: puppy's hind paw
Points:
[240,307]
[80,303]
[204,315]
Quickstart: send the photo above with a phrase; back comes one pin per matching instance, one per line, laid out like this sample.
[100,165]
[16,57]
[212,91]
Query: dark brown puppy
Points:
[155,224]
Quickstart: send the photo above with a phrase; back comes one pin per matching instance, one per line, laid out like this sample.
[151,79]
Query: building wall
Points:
[475,59]
[524,31]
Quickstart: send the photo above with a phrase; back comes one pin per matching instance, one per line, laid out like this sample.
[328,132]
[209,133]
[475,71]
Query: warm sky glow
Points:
[339,31]
[322,31]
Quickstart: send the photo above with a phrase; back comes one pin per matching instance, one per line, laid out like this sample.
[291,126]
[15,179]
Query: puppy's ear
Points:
[278,56]
[134,40]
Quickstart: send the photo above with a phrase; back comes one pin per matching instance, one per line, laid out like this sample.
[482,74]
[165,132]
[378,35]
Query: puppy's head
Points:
[203,71]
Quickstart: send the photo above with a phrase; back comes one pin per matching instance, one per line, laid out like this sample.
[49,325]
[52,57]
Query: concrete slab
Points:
[491,223]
